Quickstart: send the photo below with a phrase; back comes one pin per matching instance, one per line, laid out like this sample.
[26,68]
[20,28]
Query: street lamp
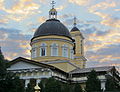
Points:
[37,88]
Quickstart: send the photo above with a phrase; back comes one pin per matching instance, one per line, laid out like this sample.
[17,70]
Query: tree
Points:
[77,88]
[2,65]
[93,84]
[66,87]
[8,81]
[52,85]
[111,84]
[42,84]
[31,85]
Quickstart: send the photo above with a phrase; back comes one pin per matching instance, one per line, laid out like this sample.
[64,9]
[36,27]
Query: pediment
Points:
[22,65]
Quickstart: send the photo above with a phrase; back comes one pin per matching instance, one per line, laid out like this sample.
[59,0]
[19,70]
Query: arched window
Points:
[34,53]
[43,49]
[54,49]
[71,53]
[65,50]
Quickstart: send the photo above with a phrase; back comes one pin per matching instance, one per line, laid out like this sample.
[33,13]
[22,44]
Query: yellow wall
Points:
[49,42]
[78,61]
[76,36]
[64,66]
[36,42]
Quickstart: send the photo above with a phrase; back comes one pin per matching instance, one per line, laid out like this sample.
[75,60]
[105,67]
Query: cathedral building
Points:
[53,44]
[57,52]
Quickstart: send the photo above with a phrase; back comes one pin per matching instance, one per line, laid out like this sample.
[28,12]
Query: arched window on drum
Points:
[65,50]
[34,51]
[71,53]
[43,49]
[54,49]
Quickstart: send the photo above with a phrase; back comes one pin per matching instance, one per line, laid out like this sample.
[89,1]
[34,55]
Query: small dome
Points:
[53,9]
[52,27]
[75,29]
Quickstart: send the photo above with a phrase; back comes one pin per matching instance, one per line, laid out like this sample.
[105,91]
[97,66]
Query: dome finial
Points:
[75,21]
[53,4]
[53,12]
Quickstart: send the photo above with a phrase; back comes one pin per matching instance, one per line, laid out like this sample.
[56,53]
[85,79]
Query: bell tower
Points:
[79,59]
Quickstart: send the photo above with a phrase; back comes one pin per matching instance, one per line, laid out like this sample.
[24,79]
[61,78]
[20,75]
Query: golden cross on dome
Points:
[53,4]
[75,21]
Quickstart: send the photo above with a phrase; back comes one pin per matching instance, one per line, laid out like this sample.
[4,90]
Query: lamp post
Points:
[37,88]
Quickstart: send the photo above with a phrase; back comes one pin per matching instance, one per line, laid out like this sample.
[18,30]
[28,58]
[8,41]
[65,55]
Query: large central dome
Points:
[52,27]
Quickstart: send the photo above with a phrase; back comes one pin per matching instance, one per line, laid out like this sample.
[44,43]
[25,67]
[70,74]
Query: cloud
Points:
[102,46]
[117,10]
[23,7]
[107,18]
[20,9]
[81,2]
[42,19]
[60,7]
[113,22]
[3,21]
[97,39]
[14,44]
[102,6]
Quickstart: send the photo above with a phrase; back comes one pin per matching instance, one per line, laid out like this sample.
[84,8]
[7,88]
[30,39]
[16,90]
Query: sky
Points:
[98,21]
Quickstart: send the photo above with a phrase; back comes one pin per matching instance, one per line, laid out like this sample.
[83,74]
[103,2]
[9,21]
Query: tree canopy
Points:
[8,81]
[93,84]
[111,85]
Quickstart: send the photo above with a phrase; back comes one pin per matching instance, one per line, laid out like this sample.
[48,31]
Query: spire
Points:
[53,12]
[75,21]
[74,25]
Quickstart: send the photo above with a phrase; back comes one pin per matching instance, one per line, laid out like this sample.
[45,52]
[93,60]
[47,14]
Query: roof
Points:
[87,70]
[19,59]
[75,29]
[52,27]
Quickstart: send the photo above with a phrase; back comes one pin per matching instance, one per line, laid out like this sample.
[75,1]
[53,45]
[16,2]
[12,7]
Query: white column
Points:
[103,85]
[26,82]
[37,81]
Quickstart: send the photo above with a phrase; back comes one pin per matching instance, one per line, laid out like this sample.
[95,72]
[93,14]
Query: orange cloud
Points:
[102,6]
[106,18]
[81,2]
[5,21]
[102,41]
[116,9]
[21,9]
[60,7]
[42,19]
[111,22]
[106,58]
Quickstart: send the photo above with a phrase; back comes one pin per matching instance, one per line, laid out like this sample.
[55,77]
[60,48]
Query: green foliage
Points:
[66,87]
[111,85]
[2,66]
[53,85]
[77,88]
[42,85]
[31,85]
[8,81]
[93,84]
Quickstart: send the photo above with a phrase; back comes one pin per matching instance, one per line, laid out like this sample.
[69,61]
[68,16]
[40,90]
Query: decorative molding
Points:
[54,39]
